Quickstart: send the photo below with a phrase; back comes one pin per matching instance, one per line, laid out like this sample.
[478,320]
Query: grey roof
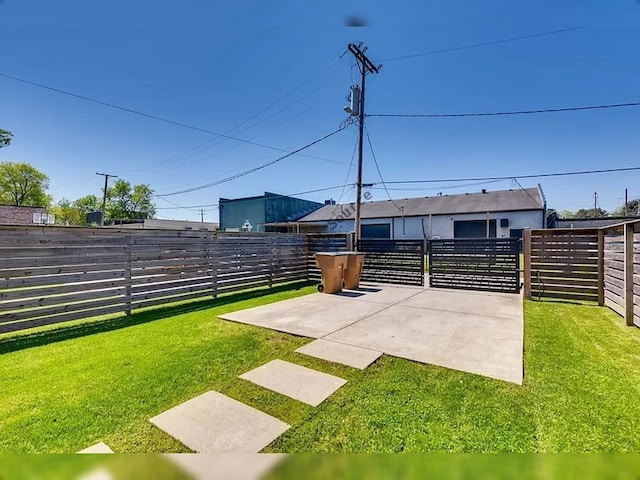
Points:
[498,201]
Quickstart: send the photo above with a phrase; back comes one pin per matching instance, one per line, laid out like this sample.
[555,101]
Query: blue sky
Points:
[217,64]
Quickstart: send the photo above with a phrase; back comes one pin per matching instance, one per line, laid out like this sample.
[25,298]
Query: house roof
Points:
[498,201]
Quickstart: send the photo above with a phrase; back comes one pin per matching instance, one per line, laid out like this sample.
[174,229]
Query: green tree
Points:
[75,213]
[584,213]
[23,184]
[5,138]
[125,202]
[67,213]
[88,203]
[632,209]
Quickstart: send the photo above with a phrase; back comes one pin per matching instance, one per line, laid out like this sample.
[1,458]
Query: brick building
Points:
[12,215]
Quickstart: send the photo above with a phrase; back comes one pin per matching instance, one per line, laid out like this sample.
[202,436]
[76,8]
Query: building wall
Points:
[12,215]
[279,208]
[233,213]
[442,225]
[270,208]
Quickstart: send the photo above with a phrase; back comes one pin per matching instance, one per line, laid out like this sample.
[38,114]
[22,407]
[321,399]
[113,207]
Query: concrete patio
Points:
[471,331]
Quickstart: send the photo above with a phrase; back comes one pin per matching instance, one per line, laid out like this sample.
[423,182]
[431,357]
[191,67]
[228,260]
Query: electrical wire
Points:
[198,207]
[194,208]
[496,114]
[346,180]
[483,44]
[446,187]
[541,175]
[515,180]
[142,114]
[375,161]
[252,170]
[218,141]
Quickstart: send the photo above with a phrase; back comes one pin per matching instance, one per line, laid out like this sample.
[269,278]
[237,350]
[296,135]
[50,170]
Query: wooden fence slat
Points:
[57,274]
[46,301]
[60,279]
[58,309]
[65,317]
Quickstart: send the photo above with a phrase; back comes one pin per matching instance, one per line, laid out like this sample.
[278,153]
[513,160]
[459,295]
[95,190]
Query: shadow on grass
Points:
[22,342]
[583,303]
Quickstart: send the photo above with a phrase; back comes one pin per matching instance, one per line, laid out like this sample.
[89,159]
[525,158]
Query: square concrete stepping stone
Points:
[239,466]
[215,423]
[356,357]
[97,474]
[300,383]
[97,448]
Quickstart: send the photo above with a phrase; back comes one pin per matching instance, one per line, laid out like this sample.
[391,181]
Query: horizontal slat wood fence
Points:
[591,264]
[614,271]
[622,270]
[562,263]
[56,274]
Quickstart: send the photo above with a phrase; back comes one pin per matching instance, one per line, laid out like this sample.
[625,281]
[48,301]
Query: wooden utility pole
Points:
[365,67]
[202,215]
[104,196]
[626,202]
[595,204]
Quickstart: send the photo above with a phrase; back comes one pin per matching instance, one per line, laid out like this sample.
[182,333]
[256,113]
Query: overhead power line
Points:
[251,170]
[540,175]
[208,144]
[191,207]
[146,115]
[495,114]
[483,44]
[375,161]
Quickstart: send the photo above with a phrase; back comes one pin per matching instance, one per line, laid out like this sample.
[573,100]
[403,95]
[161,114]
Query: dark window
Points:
[473,229]
[517,233]
[382,230]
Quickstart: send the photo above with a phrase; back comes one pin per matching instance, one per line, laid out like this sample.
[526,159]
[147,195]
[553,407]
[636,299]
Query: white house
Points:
[503,213]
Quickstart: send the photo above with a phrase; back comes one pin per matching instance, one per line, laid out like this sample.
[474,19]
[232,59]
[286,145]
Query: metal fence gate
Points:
[490,264]
[393,261]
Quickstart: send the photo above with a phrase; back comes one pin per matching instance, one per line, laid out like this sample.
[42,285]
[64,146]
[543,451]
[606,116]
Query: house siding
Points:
[442,225]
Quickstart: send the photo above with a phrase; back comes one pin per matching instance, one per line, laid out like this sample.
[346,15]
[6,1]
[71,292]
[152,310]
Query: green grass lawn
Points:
[64,390]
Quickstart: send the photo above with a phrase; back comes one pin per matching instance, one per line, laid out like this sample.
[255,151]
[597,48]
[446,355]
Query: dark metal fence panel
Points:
[393,261]
[489,264]
[324,242]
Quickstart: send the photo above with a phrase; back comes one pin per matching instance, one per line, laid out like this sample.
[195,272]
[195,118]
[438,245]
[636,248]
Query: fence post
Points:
[350,242]
[628,273]
[127,274]
[307,252]
[601,267]
[271,247]
[527,263]
[213,264]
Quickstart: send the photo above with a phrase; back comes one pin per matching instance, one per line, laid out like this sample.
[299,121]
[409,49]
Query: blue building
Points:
[258,214]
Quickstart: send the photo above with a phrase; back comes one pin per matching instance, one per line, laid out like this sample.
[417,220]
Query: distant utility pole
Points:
[104,196]
[202,215]
[365,67]
[595,204]
[626,202]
